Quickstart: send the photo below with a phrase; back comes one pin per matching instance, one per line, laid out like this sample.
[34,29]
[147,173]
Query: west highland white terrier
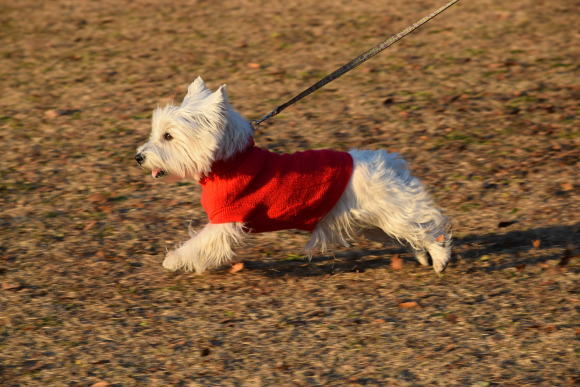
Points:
[335,195]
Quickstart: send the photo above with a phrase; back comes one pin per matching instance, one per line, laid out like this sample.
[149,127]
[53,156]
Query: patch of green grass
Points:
[115,130]
[437,31]
[475,51]
[570,135]
[424,95]
[48,321]
[523,99]
[560,64]
[294,257]
[119,198]
[13,123]
[21,186]
[466,207]
[142,116]
[174,288]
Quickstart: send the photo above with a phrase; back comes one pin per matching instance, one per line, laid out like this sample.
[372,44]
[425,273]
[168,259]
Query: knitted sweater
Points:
[268,191]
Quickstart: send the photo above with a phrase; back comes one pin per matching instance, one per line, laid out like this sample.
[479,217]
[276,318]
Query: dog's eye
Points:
[168,136]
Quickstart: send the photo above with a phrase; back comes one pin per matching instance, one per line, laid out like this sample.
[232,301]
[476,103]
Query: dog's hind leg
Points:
[390,198]
[378,235]
[209,248]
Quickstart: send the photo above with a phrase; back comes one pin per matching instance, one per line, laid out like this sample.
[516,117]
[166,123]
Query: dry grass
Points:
[482,102]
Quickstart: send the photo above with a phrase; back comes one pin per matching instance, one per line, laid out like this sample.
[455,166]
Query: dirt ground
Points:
[482,102]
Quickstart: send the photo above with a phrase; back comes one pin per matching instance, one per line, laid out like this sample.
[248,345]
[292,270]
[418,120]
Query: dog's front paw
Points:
[422,257]
[172,261]
[441,255]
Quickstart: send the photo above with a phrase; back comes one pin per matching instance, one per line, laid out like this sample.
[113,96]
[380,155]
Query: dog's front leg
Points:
[211,247]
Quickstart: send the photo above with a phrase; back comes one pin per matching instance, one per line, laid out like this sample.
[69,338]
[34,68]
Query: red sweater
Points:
[268,191]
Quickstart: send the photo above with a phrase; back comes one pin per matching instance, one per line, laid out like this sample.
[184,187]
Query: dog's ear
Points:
[214,107]
[218,97]
[222,93]
[196,91]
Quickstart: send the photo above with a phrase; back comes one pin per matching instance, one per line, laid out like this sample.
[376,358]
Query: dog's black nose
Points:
[140,158]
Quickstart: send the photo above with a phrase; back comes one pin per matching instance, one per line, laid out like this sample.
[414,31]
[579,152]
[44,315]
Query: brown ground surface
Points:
[482,102]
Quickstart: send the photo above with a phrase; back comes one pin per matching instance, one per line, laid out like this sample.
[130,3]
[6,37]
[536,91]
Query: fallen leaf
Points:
[90,225]
[11,286]
[51,113]
[567,187]
[101,384]
[409,304]
[70,295]
[254,65]
[440,238]
[536,243]
[97,198]
[237,267]
[396,262]
[281,365]
[550,328]
[105,209]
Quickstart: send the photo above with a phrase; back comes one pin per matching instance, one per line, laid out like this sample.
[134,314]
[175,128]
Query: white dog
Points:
[335,195]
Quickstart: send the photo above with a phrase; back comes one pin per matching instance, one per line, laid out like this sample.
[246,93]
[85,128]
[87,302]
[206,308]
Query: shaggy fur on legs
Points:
[383,195]
[382,198]
[211,247]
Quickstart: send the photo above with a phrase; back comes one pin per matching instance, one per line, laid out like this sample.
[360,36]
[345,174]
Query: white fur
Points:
[204,128]
[383,200]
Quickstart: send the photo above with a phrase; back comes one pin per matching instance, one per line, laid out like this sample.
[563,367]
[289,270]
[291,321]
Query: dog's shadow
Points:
[467,249]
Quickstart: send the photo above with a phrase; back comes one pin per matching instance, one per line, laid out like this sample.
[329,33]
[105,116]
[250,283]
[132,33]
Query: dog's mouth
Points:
[157,173]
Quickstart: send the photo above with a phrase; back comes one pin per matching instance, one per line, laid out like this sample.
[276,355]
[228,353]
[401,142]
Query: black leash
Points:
[354,63]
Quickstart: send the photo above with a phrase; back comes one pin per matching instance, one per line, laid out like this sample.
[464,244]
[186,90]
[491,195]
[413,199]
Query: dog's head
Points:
[185,140]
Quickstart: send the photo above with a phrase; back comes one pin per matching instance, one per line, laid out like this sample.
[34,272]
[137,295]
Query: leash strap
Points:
[354,63]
